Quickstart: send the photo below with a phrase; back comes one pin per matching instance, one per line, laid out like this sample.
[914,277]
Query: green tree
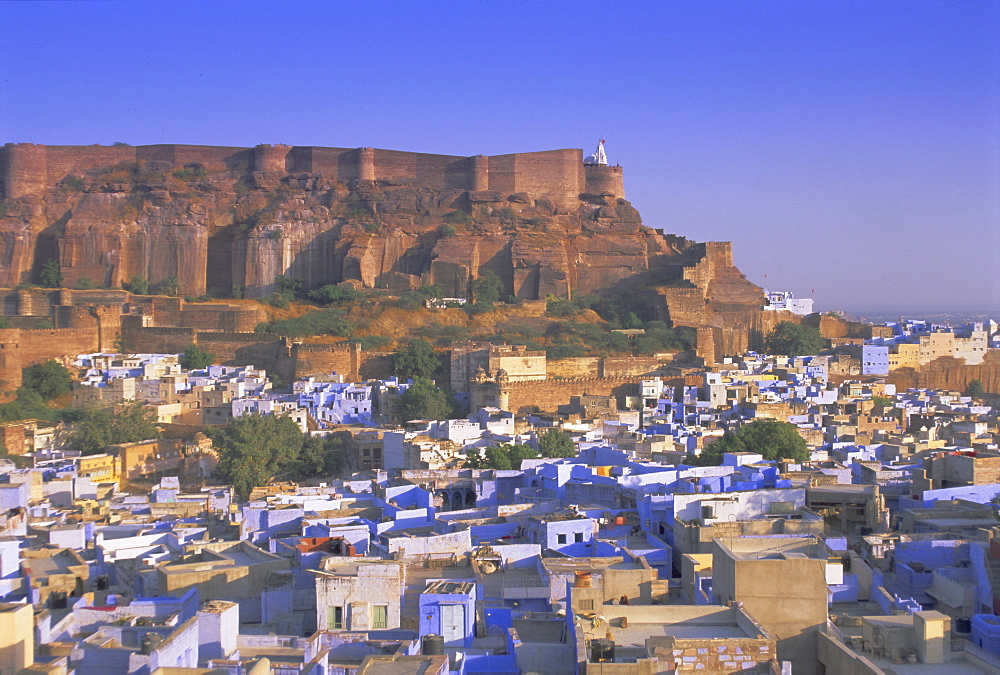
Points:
[195,358]
[770,438]
[974,389]
[793,339]
[415,359]
[631,321]
[50,276]
[501,457]
[4,323]
[254,449]
[330,294]
[126,422]
[287,288]
[487,289]
[320,455]
[28,405]
[422,401]
[556,443]
[170,286]
[882,401]
[137,285]
[48,379]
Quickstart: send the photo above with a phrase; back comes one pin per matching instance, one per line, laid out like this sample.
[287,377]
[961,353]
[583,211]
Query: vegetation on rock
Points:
[49,379]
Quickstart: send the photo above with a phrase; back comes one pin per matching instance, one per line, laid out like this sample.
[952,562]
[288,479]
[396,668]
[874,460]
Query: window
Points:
[578,537]
[334,618]
[561,538]
[586,605]
[380,616]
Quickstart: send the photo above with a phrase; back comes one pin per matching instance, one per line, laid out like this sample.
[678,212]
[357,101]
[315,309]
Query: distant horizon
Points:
[915,313]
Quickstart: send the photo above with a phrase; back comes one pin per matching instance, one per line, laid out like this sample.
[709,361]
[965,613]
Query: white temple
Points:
[599,157]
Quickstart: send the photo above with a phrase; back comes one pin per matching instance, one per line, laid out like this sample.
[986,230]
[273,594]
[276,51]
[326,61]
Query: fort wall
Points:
[558,175]
[21,347]
[953,377]
[604,180]
[548,395]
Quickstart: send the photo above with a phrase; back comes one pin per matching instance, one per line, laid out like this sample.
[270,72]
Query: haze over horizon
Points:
[849,148]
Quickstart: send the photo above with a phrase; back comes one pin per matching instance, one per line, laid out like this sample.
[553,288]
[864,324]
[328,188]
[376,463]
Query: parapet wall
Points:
[20,347]
[548,395]
[558,175]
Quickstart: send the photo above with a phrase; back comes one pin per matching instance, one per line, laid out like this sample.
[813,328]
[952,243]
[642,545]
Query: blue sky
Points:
[848,147]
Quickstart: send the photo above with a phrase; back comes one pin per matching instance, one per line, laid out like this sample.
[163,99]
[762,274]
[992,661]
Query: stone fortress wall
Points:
[28,169]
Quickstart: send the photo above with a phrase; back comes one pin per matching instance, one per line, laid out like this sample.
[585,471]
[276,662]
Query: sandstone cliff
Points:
[220,219]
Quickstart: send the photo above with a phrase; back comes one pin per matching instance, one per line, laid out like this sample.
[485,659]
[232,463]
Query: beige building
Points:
[517,362]
[358,594]
[744,570]
[225,570]
[17,637]
[956,469]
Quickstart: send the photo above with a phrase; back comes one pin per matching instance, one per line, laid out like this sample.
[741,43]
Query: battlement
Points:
[559,175]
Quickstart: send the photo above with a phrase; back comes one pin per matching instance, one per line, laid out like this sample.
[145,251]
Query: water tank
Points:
[708,512]
[150,641]
[582,579]
[602,650]
[432,644]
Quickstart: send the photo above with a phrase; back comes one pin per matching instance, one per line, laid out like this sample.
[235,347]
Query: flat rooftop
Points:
[442,587]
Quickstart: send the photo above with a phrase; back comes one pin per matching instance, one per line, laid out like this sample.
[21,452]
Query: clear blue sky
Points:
[848,147]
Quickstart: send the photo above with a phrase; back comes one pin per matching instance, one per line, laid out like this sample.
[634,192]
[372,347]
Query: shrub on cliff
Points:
[333,294]
[486,290]
[459,218]
[50,276]
[169,286]
[658,338]
[320,322]
[137,286]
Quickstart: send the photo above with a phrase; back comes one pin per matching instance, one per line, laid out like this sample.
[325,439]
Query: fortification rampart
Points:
[953,377]
[606,366]
[22,347]
[29,169]
[548,395]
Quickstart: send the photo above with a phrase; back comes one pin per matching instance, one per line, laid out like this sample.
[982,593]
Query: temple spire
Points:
[599,157]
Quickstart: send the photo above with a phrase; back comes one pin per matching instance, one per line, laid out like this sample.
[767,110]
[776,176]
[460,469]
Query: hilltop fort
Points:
[227,220]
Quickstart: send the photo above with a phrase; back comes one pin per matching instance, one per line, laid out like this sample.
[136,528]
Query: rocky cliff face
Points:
[217,228]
